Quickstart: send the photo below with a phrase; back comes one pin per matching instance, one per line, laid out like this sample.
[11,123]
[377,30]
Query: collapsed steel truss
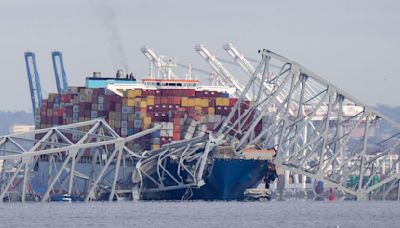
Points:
[187,157]
[64,148]
[319,130]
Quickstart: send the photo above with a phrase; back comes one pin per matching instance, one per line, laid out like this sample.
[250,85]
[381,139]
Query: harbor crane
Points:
[162,63]
[59,71]
[334,148]
[34,82]
[220,69]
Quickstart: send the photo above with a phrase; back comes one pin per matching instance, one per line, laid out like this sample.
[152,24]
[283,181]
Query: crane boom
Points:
[34,82]
[239,58]
[162,63]
[59,71]
[220,69]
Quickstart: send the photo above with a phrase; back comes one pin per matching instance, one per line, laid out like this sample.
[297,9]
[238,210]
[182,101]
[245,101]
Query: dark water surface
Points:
[290,213]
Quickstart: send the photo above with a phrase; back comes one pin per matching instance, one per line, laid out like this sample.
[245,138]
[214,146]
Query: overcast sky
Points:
[354,45]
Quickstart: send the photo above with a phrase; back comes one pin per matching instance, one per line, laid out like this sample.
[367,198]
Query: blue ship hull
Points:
[227,180]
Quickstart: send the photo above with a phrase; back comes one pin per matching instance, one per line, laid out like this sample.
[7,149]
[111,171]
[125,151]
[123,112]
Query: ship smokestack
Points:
[97,74]
[120,73]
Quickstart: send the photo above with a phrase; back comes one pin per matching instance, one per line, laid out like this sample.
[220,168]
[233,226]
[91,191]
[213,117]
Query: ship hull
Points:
[228,180]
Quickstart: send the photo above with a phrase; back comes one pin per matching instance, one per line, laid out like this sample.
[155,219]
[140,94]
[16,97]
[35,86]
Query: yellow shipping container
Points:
[184,102]
[225,101]
[131,102]
[150,100]
[191,102]
[146,120]
[211,111]
[204,102]
[197,102]
[134,93]
[143,104]
[197,108]
[218,101]
[155,147]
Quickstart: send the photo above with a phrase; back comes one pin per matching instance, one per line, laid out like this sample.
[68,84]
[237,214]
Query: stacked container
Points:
[182,113]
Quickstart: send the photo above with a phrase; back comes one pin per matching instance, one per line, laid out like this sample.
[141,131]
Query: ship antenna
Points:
[190,71]
[151,70]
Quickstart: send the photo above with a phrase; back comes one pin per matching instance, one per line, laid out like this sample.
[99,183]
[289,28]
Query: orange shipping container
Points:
[177,121]
[176,136]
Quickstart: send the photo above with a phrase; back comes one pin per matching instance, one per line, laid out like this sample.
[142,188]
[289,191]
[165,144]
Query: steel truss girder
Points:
[190,157]
[64,146]
[307,119]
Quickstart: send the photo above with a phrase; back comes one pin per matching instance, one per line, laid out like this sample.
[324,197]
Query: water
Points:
[291,213]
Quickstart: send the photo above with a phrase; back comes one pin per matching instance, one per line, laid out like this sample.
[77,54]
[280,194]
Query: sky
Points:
[353,44]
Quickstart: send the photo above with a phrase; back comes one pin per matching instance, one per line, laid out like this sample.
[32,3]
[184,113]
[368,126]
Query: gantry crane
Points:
[34,82]
[59,71]
[220,69]
[163,63]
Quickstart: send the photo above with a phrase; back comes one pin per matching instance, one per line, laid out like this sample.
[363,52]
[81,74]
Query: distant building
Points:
[19,128]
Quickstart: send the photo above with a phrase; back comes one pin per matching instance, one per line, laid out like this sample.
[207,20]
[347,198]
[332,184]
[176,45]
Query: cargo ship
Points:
[130,106]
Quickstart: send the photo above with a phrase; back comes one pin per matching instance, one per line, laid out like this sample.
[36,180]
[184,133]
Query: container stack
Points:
[182,113]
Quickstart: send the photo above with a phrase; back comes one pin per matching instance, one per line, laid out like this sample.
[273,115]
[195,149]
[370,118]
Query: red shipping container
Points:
[164,100]
[177,92]
[177,136]
[44,103]
[148,93]
[66,98]
[157,100]
[177,122]
[191,93]
[177,100]
[170,100]
[232,101]
[184,93]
